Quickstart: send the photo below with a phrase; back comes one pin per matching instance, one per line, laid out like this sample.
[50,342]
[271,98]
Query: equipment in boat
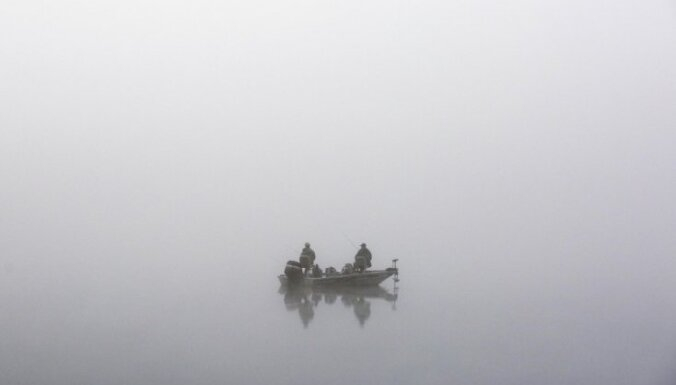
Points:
[293,275]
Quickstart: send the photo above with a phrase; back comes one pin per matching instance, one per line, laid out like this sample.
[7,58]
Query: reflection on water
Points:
[305,300]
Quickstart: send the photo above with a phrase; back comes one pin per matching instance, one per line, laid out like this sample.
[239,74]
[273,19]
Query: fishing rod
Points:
[349,240]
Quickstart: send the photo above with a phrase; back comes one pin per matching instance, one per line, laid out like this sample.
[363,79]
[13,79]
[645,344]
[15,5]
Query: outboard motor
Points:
[293,271]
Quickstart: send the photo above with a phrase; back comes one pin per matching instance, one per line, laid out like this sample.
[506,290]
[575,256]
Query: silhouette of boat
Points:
[365,278]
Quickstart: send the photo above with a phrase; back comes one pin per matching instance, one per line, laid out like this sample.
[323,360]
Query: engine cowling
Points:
[293,271]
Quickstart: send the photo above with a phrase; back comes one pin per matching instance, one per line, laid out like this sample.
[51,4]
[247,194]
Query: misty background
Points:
[160,162]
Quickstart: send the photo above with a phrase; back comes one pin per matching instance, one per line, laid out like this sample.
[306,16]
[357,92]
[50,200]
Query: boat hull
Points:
[367,278]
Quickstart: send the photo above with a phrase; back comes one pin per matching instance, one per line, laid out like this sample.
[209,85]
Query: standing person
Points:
[307,257]
[364,252]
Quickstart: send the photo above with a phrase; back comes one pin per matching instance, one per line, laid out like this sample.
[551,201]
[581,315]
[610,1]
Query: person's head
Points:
[363,245]
[307,244]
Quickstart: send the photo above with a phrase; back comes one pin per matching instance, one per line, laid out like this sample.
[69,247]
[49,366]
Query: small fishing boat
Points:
[292,276]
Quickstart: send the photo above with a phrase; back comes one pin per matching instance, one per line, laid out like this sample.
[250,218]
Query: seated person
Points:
[364,252]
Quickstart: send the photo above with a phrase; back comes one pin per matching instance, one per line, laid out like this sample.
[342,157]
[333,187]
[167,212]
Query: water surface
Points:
[156,328]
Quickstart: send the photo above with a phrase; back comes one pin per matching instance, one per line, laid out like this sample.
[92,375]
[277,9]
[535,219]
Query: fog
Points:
[161,161]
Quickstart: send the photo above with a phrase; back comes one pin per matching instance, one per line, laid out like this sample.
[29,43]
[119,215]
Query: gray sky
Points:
[474,134]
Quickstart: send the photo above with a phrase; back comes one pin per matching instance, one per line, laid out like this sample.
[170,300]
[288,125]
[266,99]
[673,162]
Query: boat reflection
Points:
[306,299]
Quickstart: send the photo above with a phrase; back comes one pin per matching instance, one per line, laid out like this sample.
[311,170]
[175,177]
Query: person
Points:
[364,252]
[307,258]
[309,252]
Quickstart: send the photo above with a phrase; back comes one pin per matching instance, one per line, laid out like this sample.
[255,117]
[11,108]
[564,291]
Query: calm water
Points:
[178,326]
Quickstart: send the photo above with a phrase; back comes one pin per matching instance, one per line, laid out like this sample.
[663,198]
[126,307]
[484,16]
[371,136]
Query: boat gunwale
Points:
[366,278]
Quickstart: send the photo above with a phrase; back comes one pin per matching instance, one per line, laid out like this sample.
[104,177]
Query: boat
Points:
[349,278]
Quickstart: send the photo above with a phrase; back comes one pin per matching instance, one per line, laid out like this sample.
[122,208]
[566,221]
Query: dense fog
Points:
[158,154]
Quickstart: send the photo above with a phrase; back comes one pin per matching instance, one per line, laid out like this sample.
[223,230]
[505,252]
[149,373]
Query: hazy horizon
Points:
[511,155]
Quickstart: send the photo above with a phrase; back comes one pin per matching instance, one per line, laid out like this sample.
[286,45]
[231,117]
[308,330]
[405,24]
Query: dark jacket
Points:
[364,252]
[309,252]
